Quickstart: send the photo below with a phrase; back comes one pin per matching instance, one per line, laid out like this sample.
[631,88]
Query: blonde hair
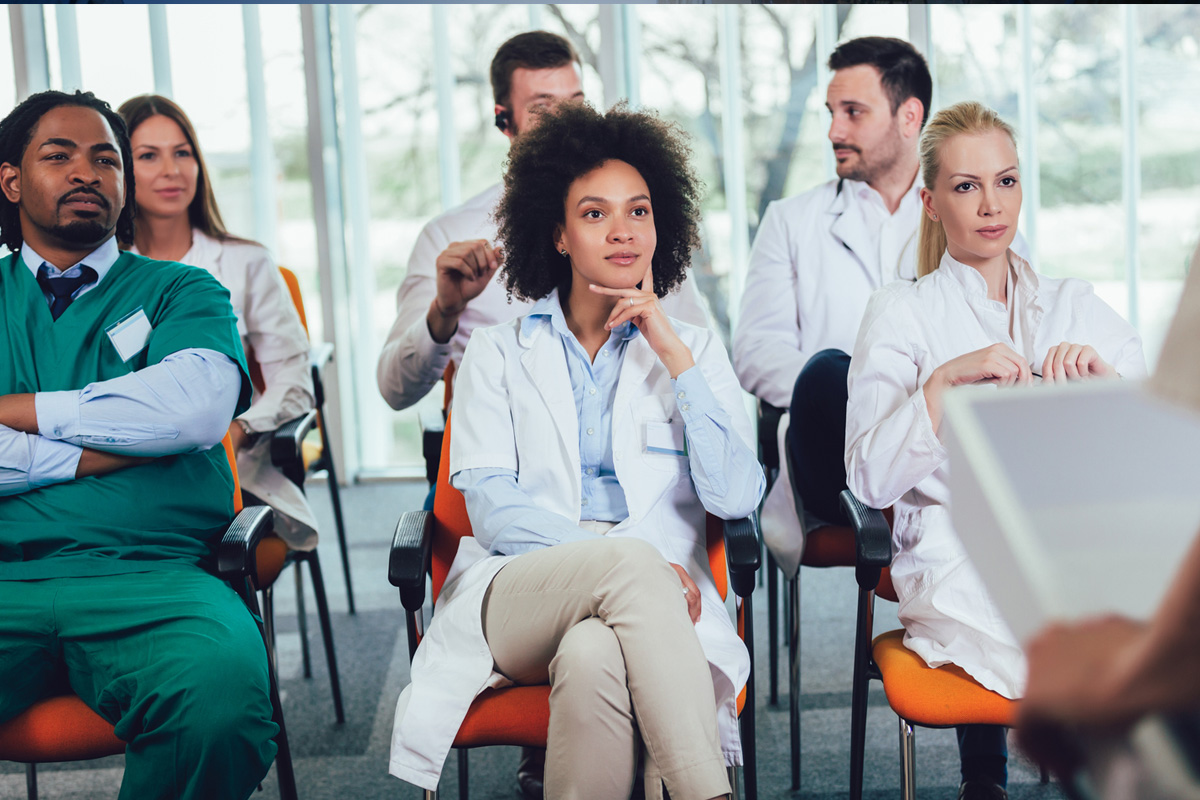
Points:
[961,118]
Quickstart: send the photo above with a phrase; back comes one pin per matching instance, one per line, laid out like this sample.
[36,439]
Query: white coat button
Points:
[590,471]
[592,391]
[590,431]
[604,352]
[684,407]
[681,395]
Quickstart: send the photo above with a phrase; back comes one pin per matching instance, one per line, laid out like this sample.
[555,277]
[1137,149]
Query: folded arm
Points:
[891,445]
[182,404]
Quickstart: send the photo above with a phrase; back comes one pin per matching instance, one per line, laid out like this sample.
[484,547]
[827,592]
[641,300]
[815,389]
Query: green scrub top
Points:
[166,514]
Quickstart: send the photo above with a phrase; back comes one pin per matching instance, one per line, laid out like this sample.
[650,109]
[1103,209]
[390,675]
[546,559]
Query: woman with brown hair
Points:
[178,220]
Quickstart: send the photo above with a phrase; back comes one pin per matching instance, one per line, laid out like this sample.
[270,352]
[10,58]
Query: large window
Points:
[1112,161]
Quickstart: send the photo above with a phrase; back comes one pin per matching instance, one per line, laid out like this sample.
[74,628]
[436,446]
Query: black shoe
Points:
[981,790]
[531,773]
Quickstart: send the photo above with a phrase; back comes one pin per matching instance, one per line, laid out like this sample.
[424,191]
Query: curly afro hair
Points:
[568,142]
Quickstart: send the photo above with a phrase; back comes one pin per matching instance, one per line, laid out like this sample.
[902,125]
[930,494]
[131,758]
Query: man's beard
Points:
[80,231]
[882,159]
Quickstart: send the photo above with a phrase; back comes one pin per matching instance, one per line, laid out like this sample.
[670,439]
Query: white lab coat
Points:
[411,362]
[271,330]
[522,417]
[816,260]
[894,458]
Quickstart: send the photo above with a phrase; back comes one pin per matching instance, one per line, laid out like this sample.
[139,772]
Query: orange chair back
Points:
[449,518]
[227,443]
[293,285]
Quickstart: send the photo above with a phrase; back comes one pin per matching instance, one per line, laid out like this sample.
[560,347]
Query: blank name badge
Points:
[665,438]
[129,333]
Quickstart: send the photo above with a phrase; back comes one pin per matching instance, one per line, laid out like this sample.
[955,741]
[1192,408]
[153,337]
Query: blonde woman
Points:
[978,313]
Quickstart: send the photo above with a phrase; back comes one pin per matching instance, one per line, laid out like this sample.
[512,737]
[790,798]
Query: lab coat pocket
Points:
[661,433]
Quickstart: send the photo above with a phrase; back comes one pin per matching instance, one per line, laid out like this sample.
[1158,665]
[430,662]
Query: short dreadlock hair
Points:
[569,141]
[16,131]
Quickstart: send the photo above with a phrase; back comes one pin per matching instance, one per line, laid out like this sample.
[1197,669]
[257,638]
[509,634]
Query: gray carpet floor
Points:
[350,760]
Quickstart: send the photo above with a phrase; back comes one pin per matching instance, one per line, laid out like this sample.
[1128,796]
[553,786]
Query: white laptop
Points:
[1079,500]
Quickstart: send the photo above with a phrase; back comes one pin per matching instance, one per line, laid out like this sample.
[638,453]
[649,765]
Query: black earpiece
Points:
[503,119]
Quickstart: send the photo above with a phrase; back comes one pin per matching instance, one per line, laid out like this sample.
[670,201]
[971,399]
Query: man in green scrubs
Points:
[118,378]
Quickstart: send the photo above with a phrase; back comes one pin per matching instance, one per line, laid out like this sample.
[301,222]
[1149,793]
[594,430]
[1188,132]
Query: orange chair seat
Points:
[58,729]
[514,715]
[269,559]
[939,697]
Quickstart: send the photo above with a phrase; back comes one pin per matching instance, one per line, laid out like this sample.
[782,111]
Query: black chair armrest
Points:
[768,437]
[743,553]
[872,538]
[288,438]
[433,429]
[320,355]
[235,555]
[408,561]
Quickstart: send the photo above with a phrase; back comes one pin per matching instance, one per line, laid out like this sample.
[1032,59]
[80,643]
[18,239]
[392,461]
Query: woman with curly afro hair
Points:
[591,436]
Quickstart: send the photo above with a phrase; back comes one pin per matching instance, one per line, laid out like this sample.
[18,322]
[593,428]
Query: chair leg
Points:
[773,625]
[268,620]
[31,781]
[431,795]
[314,568]
[335,498]
[908,761]
[748,731]
[302,622]
[463,787]
[793,605]
[859,691]
[283,756]
[733,783]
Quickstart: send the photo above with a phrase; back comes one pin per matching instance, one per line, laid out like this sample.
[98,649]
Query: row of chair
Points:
[919,695]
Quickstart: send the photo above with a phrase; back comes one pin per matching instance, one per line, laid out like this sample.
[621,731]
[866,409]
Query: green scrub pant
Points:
[172,658]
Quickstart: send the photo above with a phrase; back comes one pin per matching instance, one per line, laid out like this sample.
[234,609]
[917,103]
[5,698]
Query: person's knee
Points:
[824,372]
[590,650]
[223,697]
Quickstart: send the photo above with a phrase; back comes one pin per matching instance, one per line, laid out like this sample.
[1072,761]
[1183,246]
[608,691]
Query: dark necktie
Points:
[63,288]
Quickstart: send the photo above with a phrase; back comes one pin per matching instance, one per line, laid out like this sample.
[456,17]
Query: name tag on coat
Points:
[665,438]
[130,333]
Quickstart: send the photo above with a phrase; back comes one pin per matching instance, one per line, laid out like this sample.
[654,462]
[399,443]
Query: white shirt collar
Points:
[972,281]
[101,259]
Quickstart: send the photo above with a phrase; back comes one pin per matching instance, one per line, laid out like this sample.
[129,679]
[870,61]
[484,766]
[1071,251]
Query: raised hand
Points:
[463,272]
[1074,362]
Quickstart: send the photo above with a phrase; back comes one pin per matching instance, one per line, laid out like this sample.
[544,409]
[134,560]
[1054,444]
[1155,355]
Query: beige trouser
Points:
[606,624]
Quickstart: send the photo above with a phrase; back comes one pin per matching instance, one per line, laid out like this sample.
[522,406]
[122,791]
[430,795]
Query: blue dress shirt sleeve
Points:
[505,520]
[182,404]
[29,461]
[725,472]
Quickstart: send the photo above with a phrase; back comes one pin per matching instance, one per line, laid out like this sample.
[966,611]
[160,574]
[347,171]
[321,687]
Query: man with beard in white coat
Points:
[816,260]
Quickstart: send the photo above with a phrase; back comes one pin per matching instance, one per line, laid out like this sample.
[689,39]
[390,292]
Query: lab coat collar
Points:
[849,226]
[204,249]
[549,310]
[973,284]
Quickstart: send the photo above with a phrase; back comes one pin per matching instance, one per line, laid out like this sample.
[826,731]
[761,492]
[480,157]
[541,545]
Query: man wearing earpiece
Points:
[451,286]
